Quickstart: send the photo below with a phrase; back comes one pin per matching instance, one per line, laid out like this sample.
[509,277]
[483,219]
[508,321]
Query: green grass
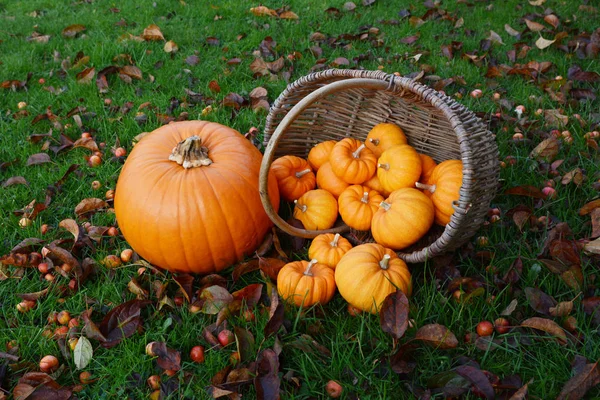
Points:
[358,346]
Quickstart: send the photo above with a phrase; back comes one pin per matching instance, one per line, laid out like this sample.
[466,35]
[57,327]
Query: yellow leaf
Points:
[542,43]
[171,47]
[536,2]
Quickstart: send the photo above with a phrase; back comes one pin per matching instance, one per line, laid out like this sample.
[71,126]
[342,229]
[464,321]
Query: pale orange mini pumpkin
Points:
[352,162]
[357,205]
[306,284]
[316,209]
[187,197]
[368,273]
[398,167]
[402,219]
[444,188]
[294,177]
[319,154]
[327,180]
[427,167]
[375,184]
[328,248]
[383,136]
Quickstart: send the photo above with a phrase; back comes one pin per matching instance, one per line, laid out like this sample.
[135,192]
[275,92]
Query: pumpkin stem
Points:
[385,206]
[308,271]
[365,198]
[384,263]
[190,153]
[424,186]
[301,207]
[334,242]
[356,153]
[300,174]
[384,166]
[374,141]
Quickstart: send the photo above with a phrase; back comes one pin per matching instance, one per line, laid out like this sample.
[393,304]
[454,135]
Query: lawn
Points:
[67,68]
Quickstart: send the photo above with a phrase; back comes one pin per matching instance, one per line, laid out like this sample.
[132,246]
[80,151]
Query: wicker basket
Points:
[334,104]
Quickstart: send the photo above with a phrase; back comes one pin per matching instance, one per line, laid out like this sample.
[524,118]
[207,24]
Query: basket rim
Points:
[397,86]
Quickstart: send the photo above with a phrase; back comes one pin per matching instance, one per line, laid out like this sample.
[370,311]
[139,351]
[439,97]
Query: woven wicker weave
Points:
[334,104]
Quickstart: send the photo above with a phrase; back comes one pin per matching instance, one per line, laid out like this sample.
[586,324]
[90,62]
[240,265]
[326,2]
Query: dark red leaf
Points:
[276,314]
[478,379]
[267,381]
[393,315]
[245,344]
[525,190]
[250,294]
[167,357]
[185,281]
[581,383]
[539,301]
[402,362]
[122,322]
[575,73]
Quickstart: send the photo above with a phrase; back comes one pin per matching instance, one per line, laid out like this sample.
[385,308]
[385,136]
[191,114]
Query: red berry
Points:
[485,328]
[502,325]
[43,268]
[63,317]
[197,354]
[85,377]
[225,337]
[120,152]
[126,255]
[48,364]
[94,161]
[41,81]
[86,135]
[333,389]
[154,382]
[112,231]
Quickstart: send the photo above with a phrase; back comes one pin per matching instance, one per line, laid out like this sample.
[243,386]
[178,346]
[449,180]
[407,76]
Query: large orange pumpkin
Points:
[368,273]
[187,197]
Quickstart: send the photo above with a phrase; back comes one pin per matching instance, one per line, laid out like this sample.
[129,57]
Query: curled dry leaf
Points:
[39,158]
[393,316]
[546,325]
[539,301]
[592,247]
[89,205]
[542,43]
[288,15]
[581,383]
[72,30]
[575,176]
[547,149]
[479,379]
[276,314]
[552,20]
[167,358]
[15,180]
[86,76]
[525,190]
[122,322]
[132,71]
[262,11]
[171,47]
[86,143]
[512,32]
[438,336]
[152,32]
[521,394]
[267,380]
[534,26]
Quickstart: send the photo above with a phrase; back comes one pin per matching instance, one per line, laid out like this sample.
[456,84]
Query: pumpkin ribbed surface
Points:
[199,219]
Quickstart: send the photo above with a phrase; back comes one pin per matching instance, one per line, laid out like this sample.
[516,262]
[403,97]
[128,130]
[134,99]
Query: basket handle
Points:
[277,135]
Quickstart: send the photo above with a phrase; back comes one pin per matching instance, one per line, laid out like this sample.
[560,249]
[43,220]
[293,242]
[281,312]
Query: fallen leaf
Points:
[245,344]
[575,176]
[276,315]
[192,60]
[39,158]
[122,322]
[83,353]
[132,71]
[15,180]
[171,47]
[393,316]
[552,19]
[525,190]
[512,32]
[562,309]
[214,298]
[521,394]
[262,11]
[546,325]
[86,76]
[581,383]
[215,88]
[72,30]
[595,216]
[477,378]
[547,149]
[349,6]
[288,15]
[542,43]
[437,335]
[554,117]
[592,247]
[270,266]
[168,359]
[512,306]
[495,38]
[86,143]
[267,380]
[34,296]
[89,205]
[539,301]
[534,26]
[577,74]
[152,32]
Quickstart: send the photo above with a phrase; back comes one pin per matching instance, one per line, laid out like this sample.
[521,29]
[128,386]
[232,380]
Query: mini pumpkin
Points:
[306,283]
[444,188]
[402,219]
[357,205]
[368,273]
[328,248]
[319,154]
[327,180]
[352,162]
[383,136]
[375,184]
[187,197]
[294,177]
[316,209]
[398,167]
[427,167]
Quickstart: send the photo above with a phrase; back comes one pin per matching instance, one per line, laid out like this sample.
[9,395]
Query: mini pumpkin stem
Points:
[356,153]
[374,141]
[365,198]
[424,186]
[385,206]
[300,174]
[190,153]
[308,271]
[302,207]
[385,166]
[334,242]
[384,263]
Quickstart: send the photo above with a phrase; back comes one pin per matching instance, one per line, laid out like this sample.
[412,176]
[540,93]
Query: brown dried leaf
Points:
[547,149]
[595,216]
[71,226]
[437,335]
[34,296]
[276,315]
[171,47]
[578,386]
[525,190]
[267,381]
[575,176]
[262,11]
[562,309]
[214,87]
[288,15]
[152,32]
[546,325]
[592,247]
[512,32]
[72,30]
[89,205]
[39,158]
[552,20]
[271,266]
[15,180]
[539,301]
[534,26]
[87,143]
[554,117]
[86,75]
[521,394]
[393,316]
[132,71]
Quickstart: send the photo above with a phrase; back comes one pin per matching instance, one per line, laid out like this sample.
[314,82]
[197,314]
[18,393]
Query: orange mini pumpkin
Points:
[427,167]
[187,197]
[357,205]
[383,136]
[352,162]
[316,209]
[402,219]
[398,167]
[375,184]
[319,154]
[327,180]
[444,188]
[306,283]
[294,177]
[368,273]
[328,248]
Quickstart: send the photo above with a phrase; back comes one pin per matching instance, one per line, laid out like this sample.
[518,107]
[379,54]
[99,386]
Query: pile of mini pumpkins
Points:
[383,185]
